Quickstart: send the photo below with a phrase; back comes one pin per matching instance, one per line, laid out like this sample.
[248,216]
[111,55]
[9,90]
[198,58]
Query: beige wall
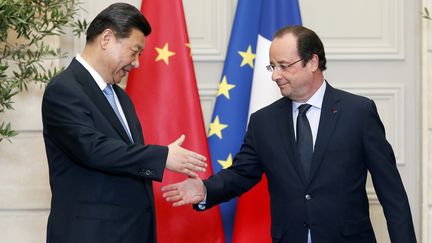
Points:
[427,128]
[375,51]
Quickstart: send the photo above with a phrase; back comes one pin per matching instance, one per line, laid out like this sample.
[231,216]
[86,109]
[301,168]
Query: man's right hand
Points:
[189,191]
[184,161]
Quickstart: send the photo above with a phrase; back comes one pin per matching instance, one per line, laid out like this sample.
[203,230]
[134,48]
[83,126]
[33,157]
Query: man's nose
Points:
[135,62]
[276,74]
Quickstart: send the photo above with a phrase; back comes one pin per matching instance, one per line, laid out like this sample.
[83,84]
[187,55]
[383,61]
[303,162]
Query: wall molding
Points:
[207,91]
[209,44]
[379,37]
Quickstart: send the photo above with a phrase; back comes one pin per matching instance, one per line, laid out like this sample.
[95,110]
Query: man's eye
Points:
[284,66]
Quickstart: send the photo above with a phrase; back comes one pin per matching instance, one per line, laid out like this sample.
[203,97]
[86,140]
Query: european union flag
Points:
[230,114]
[229,120]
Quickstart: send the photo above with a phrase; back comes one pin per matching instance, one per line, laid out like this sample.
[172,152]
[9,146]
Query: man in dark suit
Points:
[316,162]
[100,171]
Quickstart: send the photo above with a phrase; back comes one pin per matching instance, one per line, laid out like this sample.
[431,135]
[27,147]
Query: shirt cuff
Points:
[202,204]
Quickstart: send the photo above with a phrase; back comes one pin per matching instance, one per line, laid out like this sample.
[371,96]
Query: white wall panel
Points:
[24,173]
[357,30]
[207,95]
[378,221]
[28,102]
[23,226]
[427,127]
[207,22]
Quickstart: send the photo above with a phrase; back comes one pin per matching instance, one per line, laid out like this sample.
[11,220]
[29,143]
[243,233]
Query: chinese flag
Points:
[166,99]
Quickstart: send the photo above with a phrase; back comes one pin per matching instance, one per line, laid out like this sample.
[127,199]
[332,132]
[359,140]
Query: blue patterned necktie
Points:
[304,139]
[109,94]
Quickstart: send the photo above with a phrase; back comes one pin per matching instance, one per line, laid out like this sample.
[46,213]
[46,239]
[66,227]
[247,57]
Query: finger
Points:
[196,166]
[180,140]
[192,167]
[179,203]
[173,198]
[170,187]
[197,156]
[191,173]
[170,194]
[199,163]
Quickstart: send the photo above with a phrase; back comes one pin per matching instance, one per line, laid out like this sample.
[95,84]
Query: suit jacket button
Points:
[308,197]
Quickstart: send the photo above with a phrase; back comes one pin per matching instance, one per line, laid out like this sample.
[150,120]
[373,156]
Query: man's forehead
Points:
[284,42]
[286,37]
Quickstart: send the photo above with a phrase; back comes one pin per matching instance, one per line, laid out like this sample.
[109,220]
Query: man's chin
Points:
[119,80]
[285,92]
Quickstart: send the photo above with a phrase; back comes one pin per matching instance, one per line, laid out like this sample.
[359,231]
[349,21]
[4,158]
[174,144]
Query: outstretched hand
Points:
[184,161]
[189,191]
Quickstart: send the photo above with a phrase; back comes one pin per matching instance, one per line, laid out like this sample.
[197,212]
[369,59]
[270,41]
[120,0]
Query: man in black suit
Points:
[100,171]
[316,162]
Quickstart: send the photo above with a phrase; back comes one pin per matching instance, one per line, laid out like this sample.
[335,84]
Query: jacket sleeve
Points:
[381,163]
[245,172]
[74,128]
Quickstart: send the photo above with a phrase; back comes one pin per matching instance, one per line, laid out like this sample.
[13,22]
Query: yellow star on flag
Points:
[225,87]
[190,50]
[216,128]
[248,57]
[164,54]
[226,163]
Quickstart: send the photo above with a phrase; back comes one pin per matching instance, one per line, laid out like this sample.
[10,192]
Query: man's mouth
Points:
[125,71]
[282,84]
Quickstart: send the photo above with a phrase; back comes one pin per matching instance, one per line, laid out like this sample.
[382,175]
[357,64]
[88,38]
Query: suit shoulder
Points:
[350,98]
[63,78]
[60,82]
[266,110]
[63,84]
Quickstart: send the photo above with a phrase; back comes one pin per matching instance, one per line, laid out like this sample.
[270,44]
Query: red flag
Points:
[252,220]
[166,99]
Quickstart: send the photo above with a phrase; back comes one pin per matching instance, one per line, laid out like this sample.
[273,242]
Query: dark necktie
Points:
[109,93]
[304,138]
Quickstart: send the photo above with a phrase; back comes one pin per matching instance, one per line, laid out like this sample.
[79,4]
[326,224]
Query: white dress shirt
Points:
[313,114]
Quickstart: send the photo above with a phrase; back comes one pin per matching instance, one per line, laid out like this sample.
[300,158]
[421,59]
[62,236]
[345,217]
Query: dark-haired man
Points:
[100,170]
[315,145]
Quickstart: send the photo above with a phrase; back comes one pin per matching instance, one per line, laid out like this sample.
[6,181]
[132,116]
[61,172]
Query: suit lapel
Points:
[96,95]
[286,127]
[330,112]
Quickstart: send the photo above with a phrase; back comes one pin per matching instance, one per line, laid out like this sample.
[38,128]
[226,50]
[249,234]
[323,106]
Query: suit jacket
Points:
[101,183]
[333,202]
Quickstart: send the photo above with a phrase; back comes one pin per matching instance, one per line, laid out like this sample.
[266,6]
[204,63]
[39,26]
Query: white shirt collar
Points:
[96,76]
[316,100]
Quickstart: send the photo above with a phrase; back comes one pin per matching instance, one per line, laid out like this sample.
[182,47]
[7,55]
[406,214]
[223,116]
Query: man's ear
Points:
[314,62]
[106,37]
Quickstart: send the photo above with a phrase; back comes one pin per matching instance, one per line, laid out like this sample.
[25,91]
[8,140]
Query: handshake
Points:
[192,190]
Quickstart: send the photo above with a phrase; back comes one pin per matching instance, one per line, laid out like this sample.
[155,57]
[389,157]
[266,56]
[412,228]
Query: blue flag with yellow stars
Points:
[230,114]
